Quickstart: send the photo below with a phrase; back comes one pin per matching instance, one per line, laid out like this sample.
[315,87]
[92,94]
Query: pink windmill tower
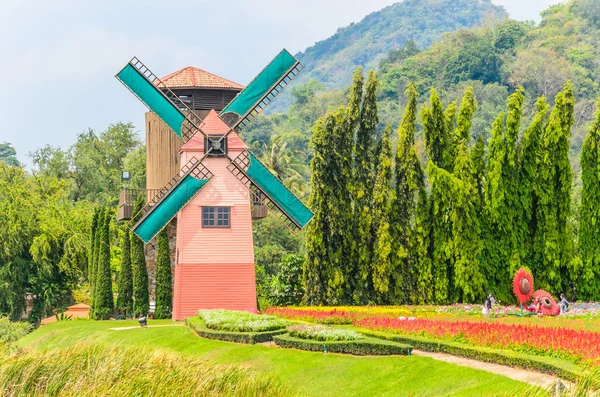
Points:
[218,186]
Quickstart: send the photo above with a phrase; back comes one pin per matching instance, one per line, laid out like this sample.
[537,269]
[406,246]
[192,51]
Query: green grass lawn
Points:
[313,374]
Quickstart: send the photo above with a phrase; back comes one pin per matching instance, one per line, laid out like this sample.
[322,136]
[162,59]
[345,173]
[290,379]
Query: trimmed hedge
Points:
[360,347]
[200,328]
[548,365]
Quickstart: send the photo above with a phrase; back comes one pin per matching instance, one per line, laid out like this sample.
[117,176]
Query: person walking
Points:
[564,304]
[487,305]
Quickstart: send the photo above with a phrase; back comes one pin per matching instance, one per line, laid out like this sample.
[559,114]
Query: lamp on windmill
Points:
[215,191]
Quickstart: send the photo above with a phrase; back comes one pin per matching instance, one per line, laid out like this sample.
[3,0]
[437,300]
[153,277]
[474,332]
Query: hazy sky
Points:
[59,57]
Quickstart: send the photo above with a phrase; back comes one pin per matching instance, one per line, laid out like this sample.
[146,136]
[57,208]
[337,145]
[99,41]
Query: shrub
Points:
[199,327]
[237,321]
[322,333]
[360,347]
[99,370]
[11,331]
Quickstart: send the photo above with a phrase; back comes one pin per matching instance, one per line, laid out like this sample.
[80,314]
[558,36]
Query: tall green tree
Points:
[554,244]
[125,281]
[383,264]
[409,182]
[589,228]
[528,152]
[164,278]
[103,295]
[468,106]
[8,154]
[91,252]
[141,300]
[96,243]
[364,157]
[466,239]
[478,158]
[317,267]
[438,139]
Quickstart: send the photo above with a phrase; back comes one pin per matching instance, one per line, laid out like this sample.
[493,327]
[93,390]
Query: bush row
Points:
[238,321]
[548,365]
[230,336]
[322,333]
[360,347]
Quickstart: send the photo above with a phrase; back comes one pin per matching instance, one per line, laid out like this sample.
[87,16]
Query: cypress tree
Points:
[479,167]
[90,261]
[409,182]
[528,152]
[316,267]
[164,278]
[141,304]
[553,245]
[352,169]
[125,282]
[466,240]
[96,254]
[468,106]
[383,195]
[438,140]
[364,177]
[103,295]
[422,250]
[441,232]
[589,229]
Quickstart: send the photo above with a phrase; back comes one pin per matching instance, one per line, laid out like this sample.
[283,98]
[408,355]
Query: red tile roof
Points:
[213,125]
[192,77]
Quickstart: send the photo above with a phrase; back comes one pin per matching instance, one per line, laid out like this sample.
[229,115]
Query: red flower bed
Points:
[314,316]
[540,340]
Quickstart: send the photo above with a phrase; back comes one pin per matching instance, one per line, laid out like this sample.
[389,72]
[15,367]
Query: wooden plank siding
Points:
[162,153]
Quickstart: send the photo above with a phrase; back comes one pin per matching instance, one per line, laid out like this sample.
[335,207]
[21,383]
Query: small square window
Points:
[215,217]
[215,145]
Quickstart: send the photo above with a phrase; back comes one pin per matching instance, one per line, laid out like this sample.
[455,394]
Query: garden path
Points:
[149,326]
[533,378]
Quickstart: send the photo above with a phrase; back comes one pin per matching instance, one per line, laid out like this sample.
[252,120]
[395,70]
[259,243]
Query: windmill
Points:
[215,189]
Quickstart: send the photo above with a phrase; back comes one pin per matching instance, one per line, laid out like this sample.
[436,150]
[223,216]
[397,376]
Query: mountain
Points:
[332,61]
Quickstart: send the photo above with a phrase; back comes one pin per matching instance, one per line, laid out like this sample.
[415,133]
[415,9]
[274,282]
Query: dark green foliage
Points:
[360,347]
[141,303]
[383,195]
[103,295]
[288,287]
[230,336]
[398,55]
[92,248]
[553,242]
[438,137]
[364,171]
[125,280]
[95,245]
[164,277]
[589,228]
[477,60]
[8,154]
[410,182]
[478,159]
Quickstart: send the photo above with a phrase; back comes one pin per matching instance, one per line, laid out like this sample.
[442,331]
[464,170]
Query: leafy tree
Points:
[477,60]
[554,243]
[528,151]
[364,171]
[541,71]
[478,159]
[287,285]
[589,228]
[468,106]
[125,281]
[409,182]
[8,154]
[438,140]
[141,302]
[164,278]
[383,265]
[103,295]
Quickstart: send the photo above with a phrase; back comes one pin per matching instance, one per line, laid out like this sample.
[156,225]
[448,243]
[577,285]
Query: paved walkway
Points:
[149,326]
[522,375]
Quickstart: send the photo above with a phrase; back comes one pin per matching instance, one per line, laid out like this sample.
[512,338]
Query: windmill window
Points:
[216,217]
[216,145]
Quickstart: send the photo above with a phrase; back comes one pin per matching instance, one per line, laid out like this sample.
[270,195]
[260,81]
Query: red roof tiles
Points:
[192,77]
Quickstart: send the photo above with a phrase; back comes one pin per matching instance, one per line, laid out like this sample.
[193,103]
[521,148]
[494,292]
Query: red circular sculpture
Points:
[523,286]
[548,306]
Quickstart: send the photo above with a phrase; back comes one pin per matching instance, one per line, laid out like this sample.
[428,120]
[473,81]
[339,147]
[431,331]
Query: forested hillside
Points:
[332,61]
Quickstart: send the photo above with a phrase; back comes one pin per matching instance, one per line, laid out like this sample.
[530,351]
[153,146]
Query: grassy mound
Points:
[322,333]
[549,365]
[125,371]
[200,327]
[236,321]
[359,347]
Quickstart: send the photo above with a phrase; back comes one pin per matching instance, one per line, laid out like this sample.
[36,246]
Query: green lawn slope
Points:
[307,373]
